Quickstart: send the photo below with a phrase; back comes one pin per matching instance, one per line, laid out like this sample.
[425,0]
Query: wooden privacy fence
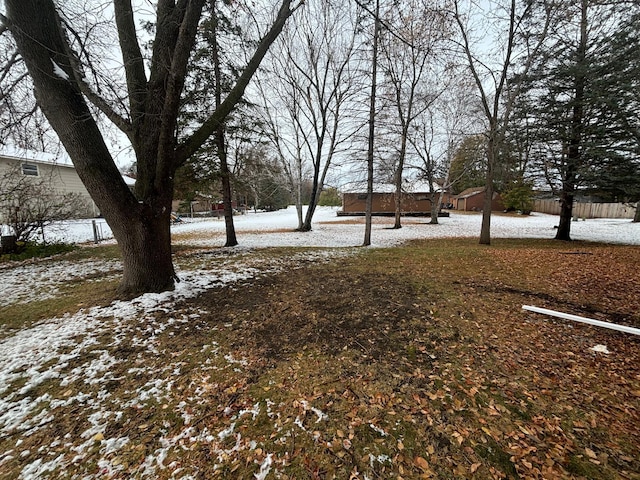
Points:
[588,210]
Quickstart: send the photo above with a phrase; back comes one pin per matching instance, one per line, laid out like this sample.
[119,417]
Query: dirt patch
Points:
[327,310]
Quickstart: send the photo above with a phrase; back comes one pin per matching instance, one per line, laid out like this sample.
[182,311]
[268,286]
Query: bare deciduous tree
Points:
[146,108]
[409,44]
[492,72]
[317,79]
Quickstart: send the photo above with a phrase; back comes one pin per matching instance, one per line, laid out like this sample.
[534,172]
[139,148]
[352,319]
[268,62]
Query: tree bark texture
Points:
[436,200]
[221,147]
[485,230]
[227,199]
[566,212]
[142,230]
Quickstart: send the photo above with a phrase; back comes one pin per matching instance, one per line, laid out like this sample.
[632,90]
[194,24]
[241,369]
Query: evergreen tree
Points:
[576,108]
[616,106]
[468,166]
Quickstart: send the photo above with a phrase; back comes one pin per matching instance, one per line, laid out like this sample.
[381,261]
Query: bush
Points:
[330,197]
[519,197]
[28,204]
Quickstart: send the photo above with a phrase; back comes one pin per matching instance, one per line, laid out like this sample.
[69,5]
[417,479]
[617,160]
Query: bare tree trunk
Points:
[299,199]
[313,199]
[227,199]
[498,110]
[398,182]
[146,255]
[372,122]
[436,200]
[221,147]
[485,230]
[636,217]
[318,186]
[566,212]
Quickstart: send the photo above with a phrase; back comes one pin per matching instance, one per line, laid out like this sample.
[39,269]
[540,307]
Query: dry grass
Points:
[412,362]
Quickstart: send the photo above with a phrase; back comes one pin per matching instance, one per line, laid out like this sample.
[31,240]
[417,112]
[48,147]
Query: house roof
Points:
[470,192]
[413,186]
[25,155]
[59,160]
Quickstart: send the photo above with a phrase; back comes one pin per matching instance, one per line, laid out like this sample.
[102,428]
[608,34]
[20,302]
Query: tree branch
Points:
[132,57]
[175,83]
[99,102]
[193,143]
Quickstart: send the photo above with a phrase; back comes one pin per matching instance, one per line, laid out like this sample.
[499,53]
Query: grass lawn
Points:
[407,363]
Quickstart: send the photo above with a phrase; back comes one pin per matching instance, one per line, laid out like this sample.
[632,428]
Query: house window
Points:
[362,196]
[30,169]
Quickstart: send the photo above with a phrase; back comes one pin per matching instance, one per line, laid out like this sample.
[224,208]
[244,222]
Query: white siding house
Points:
[58,172]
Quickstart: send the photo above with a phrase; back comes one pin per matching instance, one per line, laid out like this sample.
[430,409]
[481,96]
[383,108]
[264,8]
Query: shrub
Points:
[519,197]
[330,197]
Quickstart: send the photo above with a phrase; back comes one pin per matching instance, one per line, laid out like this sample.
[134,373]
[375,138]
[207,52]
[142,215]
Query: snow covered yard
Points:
[275,229]
[180,385]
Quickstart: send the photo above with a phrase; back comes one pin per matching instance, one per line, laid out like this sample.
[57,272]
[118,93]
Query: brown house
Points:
[415,199]
[472,200]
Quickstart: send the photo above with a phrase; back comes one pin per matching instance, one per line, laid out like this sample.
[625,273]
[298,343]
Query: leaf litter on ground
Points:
[413,362]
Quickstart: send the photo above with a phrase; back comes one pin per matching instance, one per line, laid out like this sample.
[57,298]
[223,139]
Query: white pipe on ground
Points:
[576,318]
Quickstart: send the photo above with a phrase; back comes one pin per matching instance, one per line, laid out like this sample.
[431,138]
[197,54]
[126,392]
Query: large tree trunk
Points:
[397,196]
[403,153]
[436,200]
[146,255]
[227,199]
[566,212]
[485,230]
[372,126]
[574,149]
[299,211]
[400,169]
[221,146]
[636,217]
[313,202]
[566,197]
[318,186]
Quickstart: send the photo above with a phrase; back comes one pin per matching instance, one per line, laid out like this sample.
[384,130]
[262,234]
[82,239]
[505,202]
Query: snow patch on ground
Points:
[70,351]
[41,281]
[600,349]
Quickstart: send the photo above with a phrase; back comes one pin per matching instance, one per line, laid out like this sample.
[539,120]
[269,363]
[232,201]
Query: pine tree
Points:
[578,104]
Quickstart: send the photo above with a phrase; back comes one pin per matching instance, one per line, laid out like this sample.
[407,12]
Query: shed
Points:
[472,200]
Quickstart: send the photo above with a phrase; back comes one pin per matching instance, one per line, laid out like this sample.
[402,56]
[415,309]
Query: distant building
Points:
[472,200]
[415,199]
[57,172]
